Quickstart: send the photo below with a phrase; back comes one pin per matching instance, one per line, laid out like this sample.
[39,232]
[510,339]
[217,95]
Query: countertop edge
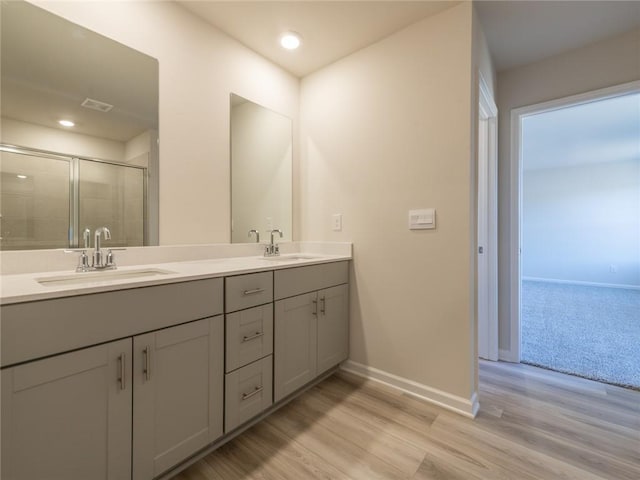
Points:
[210,268]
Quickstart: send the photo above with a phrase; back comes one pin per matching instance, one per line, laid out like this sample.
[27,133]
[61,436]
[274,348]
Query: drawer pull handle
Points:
[252,337]
[147,363]
[122,359]
[257,390]
[253,292]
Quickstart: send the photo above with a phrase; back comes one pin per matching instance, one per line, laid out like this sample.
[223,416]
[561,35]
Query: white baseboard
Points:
[507,356]
[586,284]
[463,406]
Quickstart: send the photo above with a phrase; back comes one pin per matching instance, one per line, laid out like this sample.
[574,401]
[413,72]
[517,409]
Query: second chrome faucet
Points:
[99,261]
[272,249]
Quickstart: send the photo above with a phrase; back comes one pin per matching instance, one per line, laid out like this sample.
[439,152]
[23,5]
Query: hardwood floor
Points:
[533,424]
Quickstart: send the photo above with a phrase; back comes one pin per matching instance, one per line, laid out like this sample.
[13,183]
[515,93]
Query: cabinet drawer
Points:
[246,291]
[289,282]
[249,336]
[248,392]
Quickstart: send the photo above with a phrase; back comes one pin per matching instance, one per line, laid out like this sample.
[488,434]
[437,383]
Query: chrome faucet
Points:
[257,235]
[272,249]
[99,260]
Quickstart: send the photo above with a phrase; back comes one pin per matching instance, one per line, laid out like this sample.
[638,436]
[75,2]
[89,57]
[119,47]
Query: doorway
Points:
[577,254]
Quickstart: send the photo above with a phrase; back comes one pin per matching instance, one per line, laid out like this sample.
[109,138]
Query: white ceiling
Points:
[518,32]
[596,132]
[522,32]
[330,30]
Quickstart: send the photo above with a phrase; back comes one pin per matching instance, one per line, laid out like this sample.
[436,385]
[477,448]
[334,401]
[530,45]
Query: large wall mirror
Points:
[261,181]
[57,180]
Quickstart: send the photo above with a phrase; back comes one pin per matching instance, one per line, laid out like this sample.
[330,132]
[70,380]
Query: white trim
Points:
[463,406]
[485,95]
[581,98]
[515,214]
[516,188]
[488,110]
[586,284]
[507,356]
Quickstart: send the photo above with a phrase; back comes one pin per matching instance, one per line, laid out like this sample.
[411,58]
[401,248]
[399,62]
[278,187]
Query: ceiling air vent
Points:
[96,105]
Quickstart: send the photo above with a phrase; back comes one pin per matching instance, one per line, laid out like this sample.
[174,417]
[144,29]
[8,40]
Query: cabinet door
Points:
[295,342]
[178,394]
[69,416]
[333,326]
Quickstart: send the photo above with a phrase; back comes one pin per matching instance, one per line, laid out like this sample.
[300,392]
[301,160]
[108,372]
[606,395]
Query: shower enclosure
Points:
[48,199]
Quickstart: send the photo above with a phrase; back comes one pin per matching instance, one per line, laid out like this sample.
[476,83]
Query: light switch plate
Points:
[336,222]
[422,219]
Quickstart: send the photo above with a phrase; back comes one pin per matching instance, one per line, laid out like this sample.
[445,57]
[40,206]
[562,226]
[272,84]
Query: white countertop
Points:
[25,287]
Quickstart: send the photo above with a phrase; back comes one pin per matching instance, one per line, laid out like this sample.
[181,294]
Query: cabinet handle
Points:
[252,337]
[253,292]
[314,311]
[122,360]
[322,305]
[257,390]
[147,363]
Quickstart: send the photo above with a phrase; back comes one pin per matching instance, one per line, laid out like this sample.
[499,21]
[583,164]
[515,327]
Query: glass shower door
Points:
[112,196]
[34,201]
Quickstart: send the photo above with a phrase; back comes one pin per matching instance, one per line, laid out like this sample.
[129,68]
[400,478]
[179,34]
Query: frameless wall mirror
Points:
[261,182]
[100,167]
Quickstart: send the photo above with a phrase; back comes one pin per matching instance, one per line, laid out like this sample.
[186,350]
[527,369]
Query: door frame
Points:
[488,111]
[517,114]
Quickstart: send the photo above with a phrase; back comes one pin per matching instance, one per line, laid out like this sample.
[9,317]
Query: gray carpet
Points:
[593,332]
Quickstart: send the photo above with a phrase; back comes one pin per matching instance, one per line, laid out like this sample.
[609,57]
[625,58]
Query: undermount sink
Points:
[88,277]
[287,258]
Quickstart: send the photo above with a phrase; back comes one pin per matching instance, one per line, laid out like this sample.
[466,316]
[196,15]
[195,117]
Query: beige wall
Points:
[386,130]
[15,132]
[611,62]
[482,56]
[138,149]
[199,68]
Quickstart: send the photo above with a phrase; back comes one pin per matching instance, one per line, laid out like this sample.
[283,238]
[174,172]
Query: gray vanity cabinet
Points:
[152,375]
[177,394]
[69,416]
[311,330]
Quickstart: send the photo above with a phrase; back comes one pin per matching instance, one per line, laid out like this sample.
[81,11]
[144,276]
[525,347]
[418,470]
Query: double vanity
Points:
[132,372]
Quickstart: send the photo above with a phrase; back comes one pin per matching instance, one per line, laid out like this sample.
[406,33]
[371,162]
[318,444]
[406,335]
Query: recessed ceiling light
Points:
[66,123]
[290,40]
[22,177]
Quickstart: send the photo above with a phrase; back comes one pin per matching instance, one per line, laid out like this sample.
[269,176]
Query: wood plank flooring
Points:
[533,424]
